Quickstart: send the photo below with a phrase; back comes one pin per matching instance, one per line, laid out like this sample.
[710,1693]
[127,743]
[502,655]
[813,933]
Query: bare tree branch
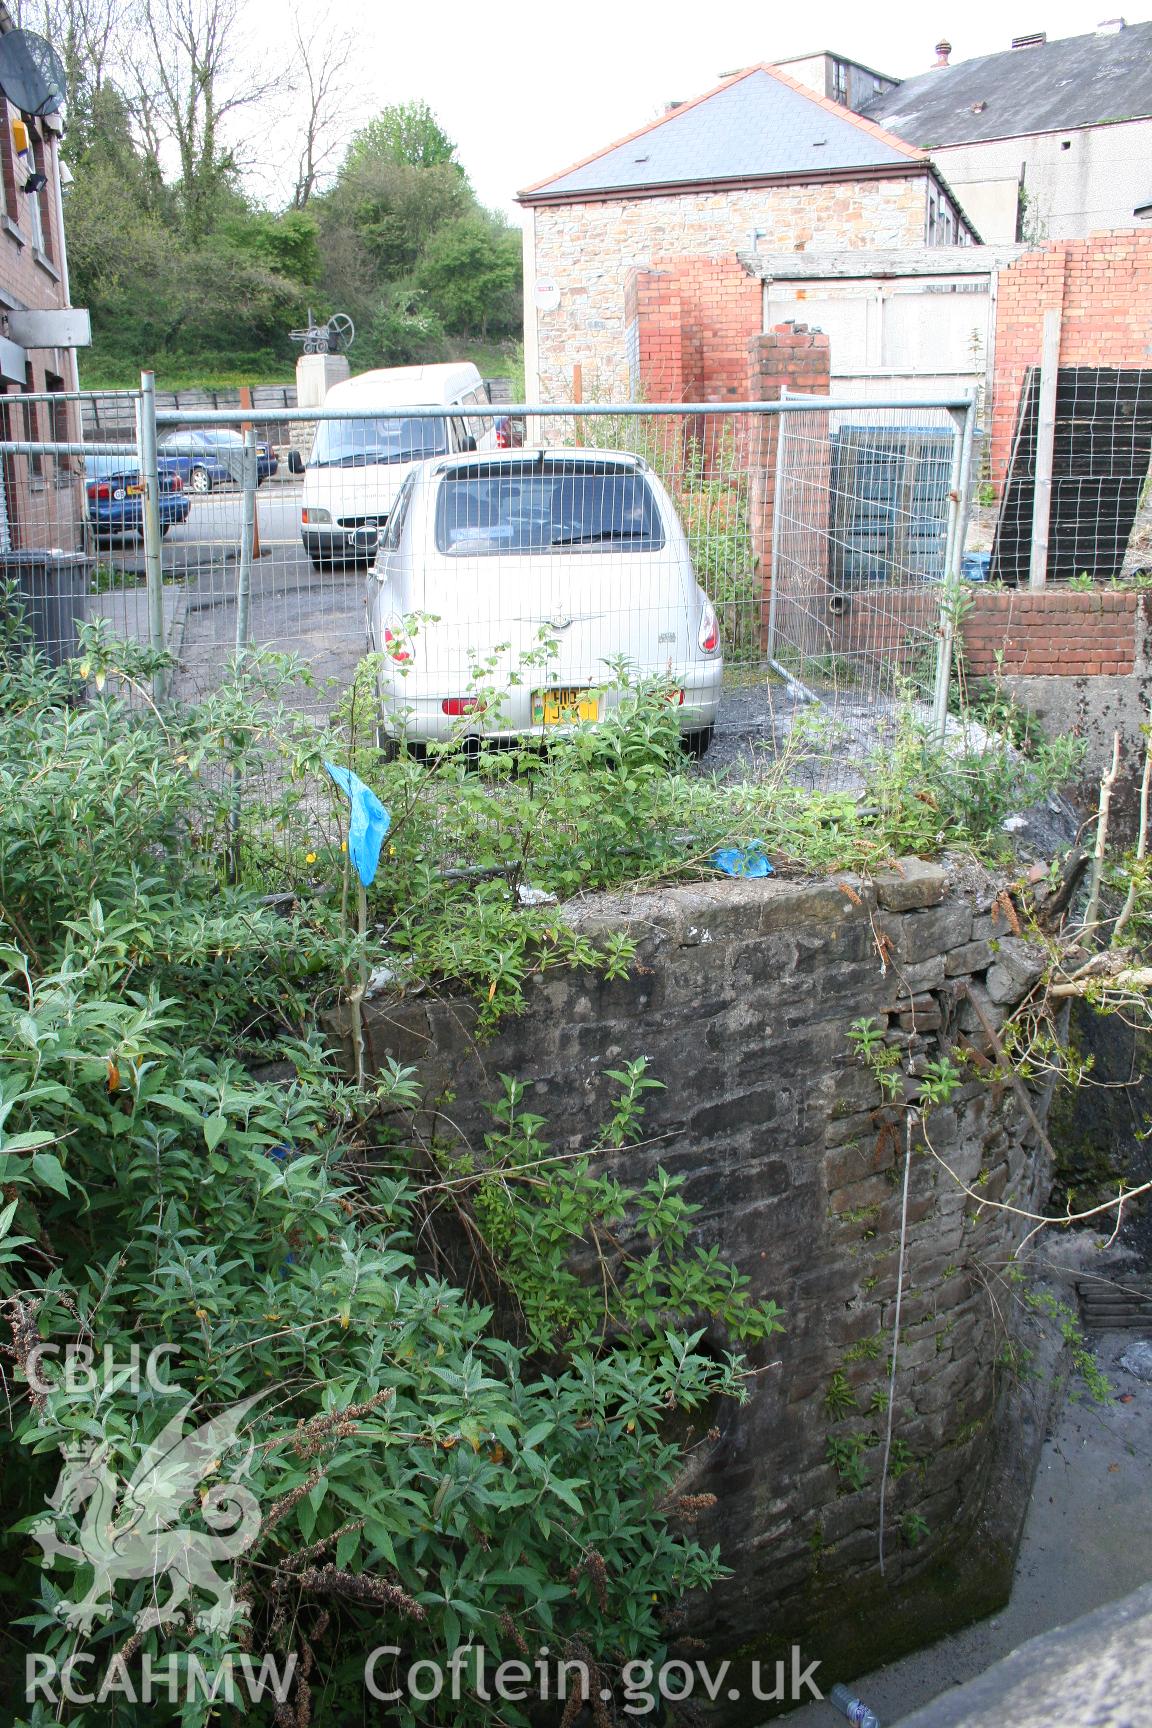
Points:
[322,68]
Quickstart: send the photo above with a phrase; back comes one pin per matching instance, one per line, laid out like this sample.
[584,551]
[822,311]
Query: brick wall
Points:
[45,498]
[1053,633]
[590,250]
[1103,288]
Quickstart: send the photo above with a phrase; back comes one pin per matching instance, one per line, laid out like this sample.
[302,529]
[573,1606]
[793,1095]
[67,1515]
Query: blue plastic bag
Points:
[749,860]
[367,825]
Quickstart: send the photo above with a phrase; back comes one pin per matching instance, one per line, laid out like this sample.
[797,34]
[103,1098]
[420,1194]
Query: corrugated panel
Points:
[889,504]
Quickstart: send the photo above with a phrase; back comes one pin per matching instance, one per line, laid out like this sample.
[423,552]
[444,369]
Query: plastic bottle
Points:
[854,1709]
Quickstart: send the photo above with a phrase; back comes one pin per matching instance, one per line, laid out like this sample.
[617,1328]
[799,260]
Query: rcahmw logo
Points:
[128,1530]
[77,1680]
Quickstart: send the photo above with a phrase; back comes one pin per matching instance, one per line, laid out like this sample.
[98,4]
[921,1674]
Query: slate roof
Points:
[755,124]
[1080,81]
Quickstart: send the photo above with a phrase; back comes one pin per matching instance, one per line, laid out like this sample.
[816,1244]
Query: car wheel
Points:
[199,480]
[695,744]
[388,746]
[164,527]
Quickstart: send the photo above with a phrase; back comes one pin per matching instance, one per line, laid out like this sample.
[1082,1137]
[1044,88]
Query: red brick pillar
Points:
[653,315]
[787,357]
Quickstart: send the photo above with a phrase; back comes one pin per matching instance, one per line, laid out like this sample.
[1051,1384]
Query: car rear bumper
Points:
[420,718]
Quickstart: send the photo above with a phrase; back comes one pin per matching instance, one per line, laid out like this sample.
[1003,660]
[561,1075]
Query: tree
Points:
[86,34]
[393,209]
[323,66]
[407,133]
[471,273]
[186,92]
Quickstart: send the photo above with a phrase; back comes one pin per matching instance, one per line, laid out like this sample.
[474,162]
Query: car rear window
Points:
[546,507]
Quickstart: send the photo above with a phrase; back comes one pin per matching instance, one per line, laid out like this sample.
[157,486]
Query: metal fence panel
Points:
[868,531]
[821,533]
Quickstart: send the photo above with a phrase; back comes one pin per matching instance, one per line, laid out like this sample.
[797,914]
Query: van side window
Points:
[396,520]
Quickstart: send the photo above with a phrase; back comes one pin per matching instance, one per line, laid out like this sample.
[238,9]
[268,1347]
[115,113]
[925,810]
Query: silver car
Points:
[510,589]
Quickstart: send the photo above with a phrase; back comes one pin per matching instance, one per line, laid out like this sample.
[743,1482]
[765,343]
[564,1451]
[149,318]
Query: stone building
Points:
[762,160]
[1045,141]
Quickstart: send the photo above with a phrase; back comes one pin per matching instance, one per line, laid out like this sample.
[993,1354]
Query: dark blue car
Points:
[115,497]
[212,458]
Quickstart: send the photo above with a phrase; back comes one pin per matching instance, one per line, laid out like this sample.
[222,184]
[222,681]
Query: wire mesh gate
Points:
[869,516]
[823,533]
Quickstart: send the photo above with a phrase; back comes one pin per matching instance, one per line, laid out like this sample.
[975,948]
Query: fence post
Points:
[249,474]
[146,449]
[1045,442]
[777,514]
[959,484]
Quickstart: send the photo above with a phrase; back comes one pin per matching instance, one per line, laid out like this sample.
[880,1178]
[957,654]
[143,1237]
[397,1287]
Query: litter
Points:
[534,896]
[368,823]
[749,860]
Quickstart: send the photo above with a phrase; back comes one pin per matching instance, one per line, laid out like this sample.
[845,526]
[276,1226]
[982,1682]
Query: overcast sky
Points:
[527,89]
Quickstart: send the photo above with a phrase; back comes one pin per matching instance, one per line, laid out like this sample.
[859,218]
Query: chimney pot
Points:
[943,49]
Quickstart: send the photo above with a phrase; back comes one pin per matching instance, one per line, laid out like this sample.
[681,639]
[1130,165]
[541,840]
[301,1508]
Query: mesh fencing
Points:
[512,566]
[868,526]
[1085,455]
[558,546]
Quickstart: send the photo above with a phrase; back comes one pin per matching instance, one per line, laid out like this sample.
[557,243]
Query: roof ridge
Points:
[842,113]
[836,109]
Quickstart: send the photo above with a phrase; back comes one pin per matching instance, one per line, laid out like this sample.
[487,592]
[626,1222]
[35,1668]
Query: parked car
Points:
[357,466]
[212,458]
[114,492]
[542,568]
[509,430]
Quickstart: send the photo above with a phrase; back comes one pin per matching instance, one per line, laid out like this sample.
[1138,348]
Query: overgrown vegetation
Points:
[417,1467]
[463,1359]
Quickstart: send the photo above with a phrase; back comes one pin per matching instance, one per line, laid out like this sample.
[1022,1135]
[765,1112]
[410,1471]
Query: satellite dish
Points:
[31,73]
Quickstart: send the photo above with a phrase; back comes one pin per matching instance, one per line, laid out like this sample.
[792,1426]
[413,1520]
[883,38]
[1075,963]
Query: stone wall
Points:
[589,249]
[741,998]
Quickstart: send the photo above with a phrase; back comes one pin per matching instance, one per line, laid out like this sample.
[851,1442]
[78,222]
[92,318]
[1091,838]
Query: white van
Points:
[357,466]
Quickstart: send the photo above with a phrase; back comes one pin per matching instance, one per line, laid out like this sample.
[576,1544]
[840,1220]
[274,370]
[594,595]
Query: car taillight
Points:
[99,493]
[396,646]
[709,629]
[457,705]
[503,437]
[177,483]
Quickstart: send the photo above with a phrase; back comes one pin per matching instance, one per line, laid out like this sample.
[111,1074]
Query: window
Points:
[32,432]
[399,511]
[578,506]
[365,443]
[39,219]
[839,82]
[8,165]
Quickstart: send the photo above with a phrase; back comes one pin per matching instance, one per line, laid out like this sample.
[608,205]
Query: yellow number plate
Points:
[563,707]
[133,490]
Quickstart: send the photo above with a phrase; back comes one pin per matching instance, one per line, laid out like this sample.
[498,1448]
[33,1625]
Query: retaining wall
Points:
[741,998]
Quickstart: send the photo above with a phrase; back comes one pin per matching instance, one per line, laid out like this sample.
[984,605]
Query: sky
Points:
[528,89]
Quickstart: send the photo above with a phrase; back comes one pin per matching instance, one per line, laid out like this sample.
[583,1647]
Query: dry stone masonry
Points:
[741,998]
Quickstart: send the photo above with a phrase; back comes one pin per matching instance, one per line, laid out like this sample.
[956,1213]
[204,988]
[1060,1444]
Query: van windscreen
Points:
[536,507]
[365,443]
